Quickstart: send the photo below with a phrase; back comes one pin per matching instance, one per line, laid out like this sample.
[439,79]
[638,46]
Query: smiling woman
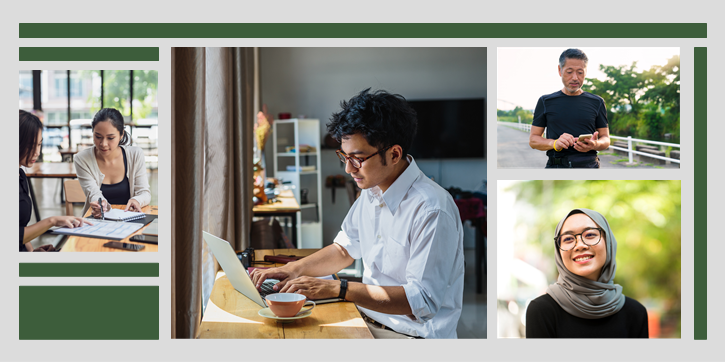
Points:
[584,302]
[112,172]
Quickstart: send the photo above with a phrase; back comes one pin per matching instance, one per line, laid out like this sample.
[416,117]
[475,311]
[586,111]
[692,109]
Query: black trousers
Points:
[573,161]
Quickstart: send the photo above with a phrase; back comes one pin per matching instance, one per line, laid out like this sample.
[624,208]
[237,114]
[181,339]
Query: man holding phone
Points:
[575,121]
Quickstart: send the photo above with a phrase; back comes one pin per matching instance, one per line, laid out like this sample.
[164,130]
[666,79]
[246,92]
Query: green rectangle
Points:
[89,312]
[81,54]
[89,269]
[700,165]
[363,30]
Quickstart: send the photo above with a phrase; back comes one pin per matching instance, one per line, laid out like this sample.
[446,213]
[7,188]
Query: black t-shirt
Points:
[25,207]
[575,115]
[545,318]
[118,193]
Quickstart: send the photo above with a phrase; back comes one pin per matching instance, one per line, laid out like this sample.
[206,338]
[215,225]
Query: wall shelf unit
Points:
[289,136]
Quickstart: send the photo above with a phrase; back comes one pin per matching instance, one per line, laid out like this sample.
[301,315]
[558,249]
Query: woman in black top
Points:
[31,140]
[585,302]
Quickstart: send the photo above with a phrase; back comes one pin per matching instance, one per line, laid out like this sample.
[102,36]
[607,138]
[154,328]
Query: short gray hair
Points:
[572,53]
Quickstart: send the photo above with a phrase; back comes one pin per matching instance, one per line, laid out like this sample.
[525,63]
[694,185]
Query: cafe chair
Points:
[267,234]
[73,193]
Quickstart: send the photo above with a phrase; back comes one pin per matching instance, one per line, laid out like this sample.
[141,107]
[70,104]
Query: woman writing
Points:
[31,141]
[585,302]
[111,170]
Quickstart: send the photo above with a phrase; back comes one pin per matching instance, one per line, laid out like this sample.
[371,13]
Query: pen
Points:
[100,203]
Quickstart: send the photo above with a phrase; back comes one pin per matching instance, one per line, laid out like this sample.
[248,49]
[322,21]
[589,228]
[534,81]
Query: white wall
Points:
[313,81]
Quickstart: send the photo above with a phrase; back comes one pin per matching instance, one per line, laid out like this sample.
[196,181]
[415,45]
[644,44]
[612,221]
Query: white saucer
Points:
[267,313]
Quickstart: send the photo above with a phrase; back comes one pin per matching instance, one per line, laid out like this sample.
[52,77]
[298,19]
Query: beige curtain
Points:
[213,115]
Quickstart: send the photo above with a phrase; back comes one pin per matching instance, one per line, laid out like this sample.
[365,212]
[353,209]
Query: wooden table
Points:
[80,243]
[61,170]
[230,314]
[66,154]
[287,207]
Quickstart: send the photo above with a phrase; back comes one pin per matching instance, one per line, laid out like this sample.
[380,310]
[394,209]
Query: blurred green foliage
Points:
[514,114]
[641,104]
[117,91]
[645,218]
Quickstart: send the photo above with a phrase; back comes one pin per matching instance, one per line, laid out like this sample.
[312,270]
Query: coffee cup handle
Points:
[307,310]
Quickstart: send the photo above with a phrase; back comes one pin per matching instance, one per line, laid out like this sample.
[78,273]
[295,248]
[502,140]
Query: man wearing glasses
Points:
[405,227]
[575,121]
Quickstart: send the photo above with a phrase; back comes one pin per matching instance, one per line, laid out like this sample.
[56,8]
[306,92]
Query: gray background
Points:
[370,11]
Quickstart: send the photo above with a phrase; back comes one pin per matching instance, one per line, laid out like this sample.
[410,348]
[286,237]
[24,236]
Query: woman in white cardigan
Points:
[111,170]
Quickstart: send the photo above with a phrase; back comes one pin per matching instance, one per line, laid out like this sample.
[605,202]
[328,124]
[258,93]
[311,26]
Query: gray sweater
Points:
[91,178]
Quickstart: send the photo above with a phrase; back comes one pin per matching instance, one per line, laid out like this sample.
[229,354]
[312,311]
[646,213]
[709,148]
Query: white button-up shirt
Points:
[410,236]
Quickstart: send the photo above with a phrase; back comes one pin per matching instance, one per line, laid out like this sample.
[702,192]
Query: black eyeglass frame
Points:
[344,158]
[558,238]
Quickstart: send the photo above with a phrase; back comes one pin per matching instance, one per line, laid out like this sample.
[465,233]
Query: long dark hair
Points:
[30,125]
[114,116]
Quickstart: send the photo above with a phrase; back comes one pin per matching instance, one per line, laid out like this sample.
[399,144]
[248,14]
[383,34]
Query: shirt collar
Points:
[395,193]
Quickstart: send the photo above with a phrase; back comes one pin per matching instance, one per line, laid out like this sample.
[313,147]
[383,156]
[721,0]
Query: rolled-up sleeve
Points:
[433,265]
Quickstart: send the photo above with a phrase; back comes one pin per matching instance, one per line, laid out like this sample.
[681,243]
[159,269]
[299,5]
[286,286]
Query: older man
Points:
[575,120]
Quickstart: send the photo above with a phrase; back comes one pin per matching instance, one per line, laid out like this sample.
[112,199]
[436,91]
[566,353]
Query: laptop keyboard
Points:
[266,288]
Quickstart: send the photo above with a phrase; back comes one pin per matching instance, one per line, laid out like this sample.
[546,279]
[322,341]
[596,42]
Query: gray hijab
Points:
[586,298]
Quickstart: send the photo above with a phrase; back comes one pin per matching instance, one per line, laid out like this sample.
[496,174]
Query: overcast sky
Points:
[525,74]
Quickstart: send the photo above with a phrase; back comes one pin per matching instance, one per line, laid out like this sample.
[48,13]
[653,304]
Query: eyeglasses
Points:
[356,161]
[590,237]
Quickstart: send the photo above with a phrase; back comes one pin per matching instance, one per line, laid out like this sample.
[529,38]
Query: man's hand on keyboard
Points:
[283,274]
[313,288]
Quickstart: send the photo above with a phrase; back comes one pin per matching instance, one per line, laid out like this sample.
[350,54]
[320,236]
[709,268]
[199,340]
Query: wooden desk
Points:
[79,243]
[287,207]
[61,170]
[230,314]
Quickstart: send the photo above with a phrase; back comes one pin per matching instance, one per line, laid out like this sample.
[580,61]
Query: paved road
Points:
[514,152]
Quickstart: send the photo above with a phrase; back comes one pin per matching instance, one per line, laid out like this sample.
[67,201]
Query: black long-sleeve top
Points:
[25,207]
[545,318]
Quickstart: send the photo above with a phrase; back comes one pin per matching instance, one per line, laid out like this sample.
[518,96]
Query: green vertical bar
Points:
[700,153]
[89,312]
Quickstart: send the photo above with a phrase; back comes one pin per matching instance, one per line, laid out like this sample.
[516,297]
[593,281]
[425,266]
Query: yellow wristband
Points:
[555,146]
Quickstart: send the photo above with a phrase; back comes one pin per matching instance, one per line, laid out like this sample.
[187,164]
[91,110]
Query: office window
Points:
[26,90]
[117,91]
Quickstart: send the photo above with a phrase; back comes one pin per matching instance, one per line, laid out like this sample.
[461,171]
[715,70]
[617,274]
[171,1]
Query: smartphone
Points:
[585,137]
[124,246]
[148,239]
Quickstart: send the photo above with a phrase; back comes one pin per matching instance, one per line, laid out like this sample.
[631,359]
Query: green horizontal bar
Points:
[89,54]
[89,269]
[89,312]
[700,165]
[363,30]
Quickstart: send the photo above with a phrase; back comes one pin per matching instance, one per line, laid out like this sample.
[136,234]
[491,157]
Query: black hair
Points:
[30,125]
[382,118]
[116,118]
[572,53]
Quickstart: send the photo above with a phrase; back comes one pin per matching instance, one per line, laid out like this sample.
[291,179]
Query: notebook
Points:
[152,229]
[120,215]
[227,258]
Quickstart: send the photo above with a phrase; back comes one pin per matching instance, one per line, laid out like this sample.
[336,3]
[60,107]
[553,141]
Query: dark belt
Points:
[383,326]
[375,323]
[572,161]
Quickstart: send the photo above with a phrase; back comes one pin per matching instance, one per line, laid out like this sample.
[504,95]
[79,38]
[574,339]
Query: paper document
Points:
[120,215]
[102,229]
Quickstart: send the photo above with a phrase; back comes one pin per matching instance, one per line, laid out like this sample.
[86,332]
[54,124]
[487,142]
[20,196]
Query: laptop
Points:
[238,276]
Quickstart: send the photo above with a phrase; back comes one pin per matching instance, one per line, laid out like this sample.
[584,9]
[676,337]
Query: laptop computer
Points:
[237,275]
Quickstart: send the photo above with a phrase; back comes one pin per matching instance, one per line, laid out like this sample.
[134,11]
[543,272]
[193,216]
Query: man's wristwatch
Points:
[343,288]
